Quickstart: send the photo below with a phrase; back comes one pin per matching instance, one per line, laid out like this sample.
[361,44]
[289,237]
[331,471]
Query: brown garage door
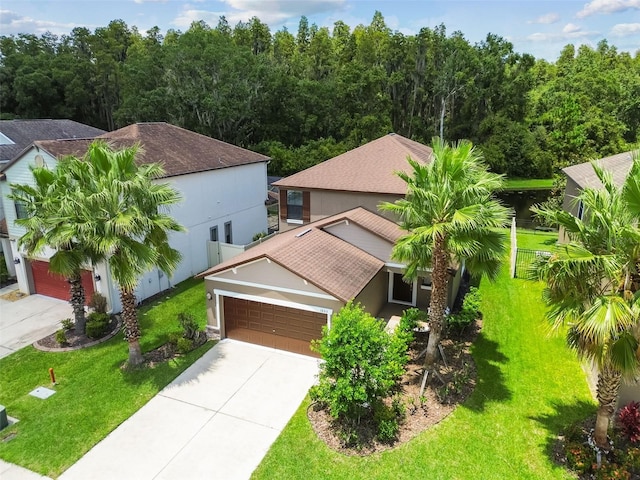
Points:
[272,326]
[56,286]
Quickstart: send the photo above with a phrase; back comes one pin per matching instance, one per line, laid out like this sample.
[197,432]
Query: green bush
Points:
[97,324]
[61,337]
[4,273]
[259,235]
[190,328]
[468,314]
[184,345]
[98,303]
[67,324]
[362,363]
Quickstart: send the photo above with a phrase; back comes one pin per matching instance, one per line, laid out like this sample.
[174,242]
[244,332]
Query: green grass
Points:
[535,240]
[529,388]
[94,395]
[528,183]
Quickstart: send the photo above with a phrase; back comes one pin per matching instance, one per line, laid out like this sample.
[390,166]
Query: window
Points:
[213,234]
[580,210]
[228,237]
[21,210]
[294,205]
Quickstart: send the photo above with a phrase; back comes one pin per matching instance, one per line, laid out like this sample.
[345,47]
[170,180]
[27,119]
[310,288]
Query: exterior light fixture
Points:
[16,260]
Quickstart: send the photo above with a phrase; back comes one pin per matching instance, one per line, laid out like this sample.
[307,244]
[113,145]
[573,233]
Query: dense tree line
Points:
[305,97]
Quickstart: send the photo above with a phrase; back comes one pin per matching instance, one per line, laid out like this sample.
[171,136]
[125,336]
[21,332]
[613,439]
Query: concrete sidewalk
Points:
[28,319]
[215,421]
[9,471]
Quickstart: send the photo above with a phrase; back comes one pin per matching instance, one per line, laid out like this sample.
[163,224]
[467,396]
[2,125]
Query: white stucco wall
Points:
[235,194]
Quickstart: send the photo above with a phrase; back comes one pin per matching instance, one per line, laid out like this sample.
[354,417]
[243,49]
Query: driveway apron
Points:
[28,319]
[215,421]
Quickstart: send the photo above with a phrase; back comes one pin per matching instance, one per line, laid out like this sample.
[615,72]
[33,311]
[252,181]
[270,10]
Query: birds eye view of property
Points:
[275,240]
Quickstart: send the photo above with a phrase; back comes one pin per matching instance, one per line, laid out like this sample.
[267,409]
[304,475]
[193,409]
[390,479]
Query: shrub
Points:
[190,328]
[4,273]
[469,312]
[98,303]
[97,324]
[259,235]
[629,421]
[362,363]
[184,345]
[61,337]
[67,324]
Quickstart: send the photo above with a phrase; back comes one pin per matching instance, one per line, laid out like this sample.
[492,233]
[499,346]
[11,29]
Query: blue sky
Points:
[541,28]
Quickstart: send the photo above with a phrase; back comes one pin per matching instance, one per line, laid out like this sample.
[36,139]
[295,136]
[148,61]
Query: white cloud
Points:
[569,32]
[570,28]
[625,29]
[274,13]
[14,23]
[547,19]
[596,7]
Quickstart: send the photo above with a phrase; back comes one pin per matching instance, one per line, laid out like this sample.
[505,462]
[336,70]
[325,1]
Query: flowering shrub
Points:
[629,421]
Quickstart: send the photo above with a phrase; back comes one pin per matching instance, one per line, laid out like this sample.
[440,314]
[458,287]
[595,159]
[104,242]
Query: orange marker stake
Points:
[52,375]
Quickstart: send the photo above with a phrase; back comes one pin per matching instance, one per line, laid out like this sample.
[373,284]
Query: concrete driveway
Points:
[215,421]
[28,319]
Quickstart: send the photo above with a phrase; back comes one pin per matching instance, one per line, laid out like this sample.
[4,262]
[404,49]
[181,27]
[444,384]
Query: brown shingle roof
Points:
[369,168]
[180,151]
[584,175]
[331,264]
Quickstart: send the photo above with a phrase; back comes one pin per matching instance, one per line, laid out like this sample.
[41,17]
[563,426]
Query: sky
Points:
[541,28]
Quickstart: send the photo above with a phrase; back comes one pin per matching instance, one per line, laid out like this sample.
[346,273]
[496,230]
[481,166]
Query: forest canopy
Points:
[306,96]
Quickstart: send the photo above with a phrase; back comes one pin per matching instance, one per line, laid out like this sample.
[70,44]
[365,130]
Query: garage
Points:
[56,286]
[273,326]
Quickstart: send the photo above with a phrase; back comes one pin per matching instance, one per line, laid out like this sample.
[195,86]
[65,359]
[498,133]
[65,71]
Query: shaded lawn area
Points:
[529,387]
[93,394]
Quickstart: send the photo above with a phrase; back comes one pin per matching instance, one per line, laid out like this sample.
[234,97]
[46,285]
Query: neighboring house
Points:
[224,189]
[583,176]
[15,136]
[283,291]
[363,177]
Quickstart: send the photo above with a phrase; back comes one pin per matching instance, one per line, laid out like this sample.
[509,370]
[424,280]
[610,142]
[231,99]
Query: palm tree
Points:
[452,220]
[593,285]
[52,221]
[122,209]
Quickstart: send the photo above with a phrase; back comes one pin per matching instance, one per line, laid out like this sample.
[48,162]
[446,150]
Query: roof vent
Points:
[39,160]
[303,233]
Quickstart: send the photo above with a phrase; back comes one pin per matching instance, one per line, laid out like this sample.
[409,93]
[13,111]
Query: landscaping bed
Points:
[421,411]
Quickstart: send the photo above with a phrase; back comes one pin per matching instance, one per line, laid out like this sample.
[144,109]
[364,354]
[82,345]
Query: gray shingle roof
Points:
[24,132]
[370,168]
[585,177]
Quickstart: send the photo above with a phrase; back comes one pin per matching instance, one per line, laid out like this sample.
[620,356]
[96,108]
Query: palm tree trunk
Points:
[131,326]
[607,393]
[77,300]
[438,301]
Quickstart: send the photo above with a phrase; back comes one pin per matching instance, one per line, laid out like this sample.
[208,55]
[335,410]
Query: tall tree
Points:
[125,220]
[593,284]
[53,220]
[452,221]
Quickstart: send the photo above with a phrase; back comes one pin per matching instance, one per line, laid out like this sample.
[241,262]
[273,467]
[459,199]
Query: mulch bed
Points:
[438,399]
[166,352]
[76,341]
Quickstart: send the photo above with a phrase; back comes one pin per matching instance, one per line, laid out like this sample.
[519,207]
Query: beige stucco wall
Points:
[568,204]
[363,239]
[324,203]
[374,296]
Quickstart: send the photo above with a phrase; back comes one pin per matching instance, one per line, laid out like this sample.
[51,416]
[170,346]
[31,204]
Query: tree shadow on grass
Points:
[556,422]
[490,383]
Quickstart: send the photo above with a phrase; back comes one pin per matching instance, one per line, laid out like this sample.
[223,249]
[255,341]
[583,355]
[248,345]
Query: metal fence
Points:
[525,259]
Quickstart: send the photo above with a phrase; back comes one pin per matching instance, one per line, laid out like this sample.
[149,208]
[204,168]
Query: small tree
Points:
[362,363]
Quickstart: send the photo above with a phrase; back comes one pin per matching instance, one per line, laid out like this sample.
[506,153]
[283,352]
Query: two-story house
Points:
[224,189]
[15,136]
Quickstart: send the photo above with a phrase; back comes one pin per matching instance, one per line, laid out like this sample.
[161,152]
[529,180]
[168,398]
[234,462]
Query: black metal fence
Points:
[525,258]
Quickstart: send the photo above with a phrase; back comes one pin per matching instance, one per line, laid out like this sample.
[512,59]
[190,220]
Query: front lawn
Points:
[529,387]
[93,394]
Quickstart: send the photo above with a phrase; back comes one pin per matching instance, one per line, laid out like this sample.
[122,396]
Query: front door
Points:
[401,291]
